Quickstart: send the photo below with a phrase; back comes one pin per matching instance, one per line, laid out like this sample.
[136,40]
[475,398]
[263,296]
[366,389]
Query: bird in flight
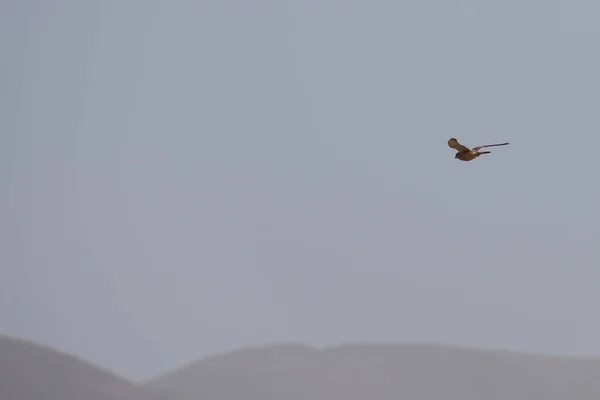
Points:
[466,154]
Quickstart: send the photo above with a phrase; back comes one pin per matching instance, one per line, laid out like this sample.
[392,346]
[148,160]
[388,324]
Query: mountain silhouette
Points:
[380,372]
[30,371]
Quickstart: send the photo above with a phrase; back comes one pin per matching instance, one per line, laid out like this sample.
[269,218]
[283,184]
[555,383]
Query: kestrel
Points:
[466,154]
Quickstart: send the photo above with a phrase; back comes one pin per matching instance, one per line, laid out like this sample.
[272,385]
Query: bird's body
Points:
[466,154]
[469,155]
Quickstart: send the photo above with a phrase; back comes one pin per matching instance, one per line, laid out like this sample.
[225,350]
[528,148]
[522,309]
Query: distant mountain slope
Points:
[31,372]
[381,372]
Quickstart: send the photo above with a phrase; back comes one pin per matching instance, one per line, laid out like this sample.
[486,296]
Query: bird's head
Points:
[456,155]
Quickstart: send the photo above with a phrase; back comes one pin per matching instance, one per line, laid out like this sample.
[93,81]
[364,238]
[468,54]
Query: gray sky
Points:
[184,177]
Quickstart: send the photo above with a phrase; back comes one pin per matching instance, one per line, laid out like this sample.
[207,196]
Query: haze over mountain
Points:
[381,372]
[181,178]
[32,372]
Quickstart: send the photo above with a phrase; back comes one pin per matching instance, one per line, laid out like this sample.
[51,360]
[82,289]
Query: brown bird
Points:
[466,154]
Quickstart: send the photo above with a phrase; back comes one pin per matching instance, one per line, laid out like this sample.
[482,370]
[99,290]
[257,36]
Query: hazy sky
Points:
[184,177]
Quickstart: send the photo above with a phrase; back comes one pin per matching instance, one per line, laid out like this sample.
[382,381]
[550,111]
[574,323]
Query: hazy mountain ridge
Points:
[29,371]
[381,371]
[295,371]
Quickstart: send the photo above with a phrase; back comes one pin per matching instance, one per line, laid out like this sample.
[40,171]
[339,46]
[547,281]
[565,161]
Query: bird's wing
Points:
[489,145]
[455,145]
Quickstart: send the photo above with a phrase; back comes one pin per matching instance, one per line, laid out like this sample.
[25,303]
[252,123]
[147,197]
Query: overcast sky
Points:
[179,178]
